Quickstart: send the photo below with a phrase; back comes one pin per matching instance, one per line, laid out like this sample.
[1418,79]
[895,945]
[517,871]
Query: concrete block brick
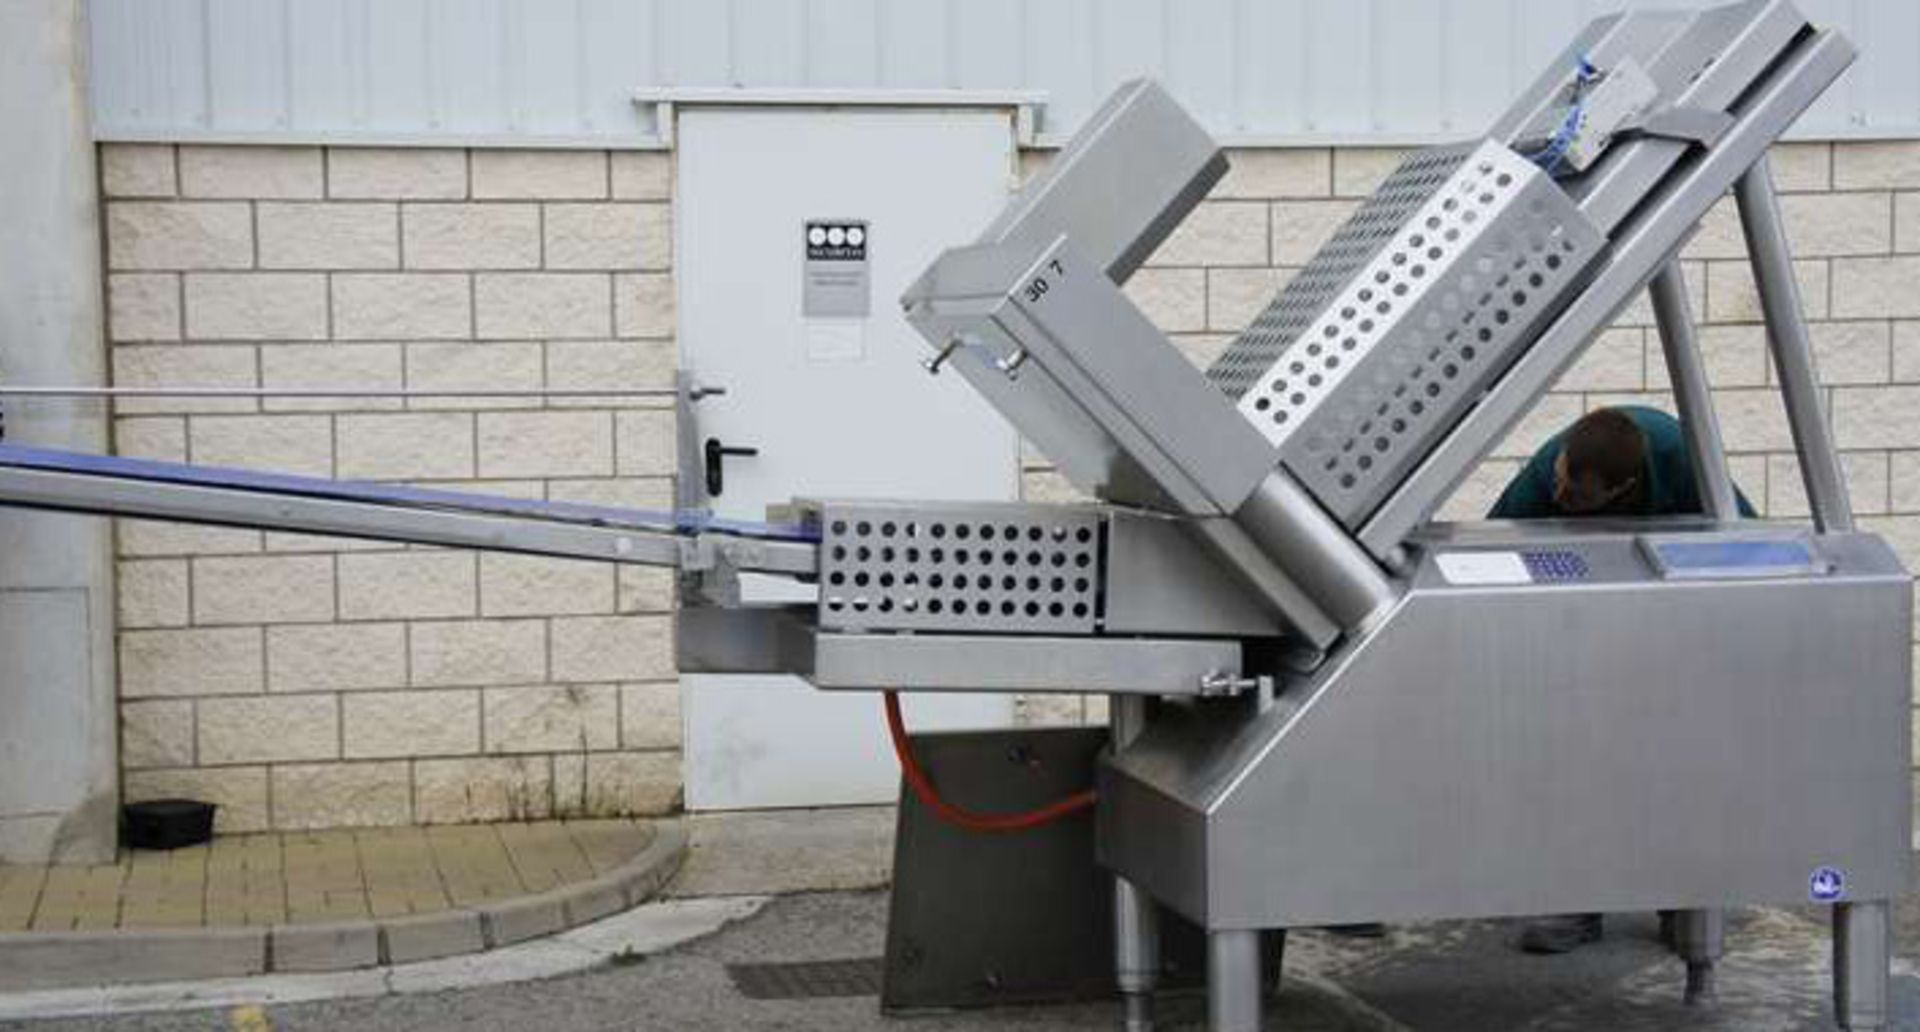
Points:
[269,728]
[552,718]
[336,657]
[1201,350]
[1823,225]
[240,793]
[449,933]
[627,492]
[523,305]
[1301,227]
[402,306]
[1852,352]
[1734,355]
[396,173]
[410,446]
[527,917]
[1236,297]
[49,960]
[525,585]
[343,367]
[539,174]
[281,541]
[342,795]
[1359,171]
[609,236]
[1876,165]
[1048,487]
[197,661]
[644,305]
[137,170]
[611,364]
[458,653]
[1719,235]
[1865,474]
[1550,415]
[406,585]
[1174,299]
[1876,288]
[542,444]
[441,722]
[337,235]
[325,947]
[1615,361]
[156,733]
[472,236]
[641,175]
[190,365]
[156,538]
[1801,167]
[647,443]
[1903,482]
[467,366]
[151,592]
[143,306]
[1639,311]
[644,589]
[1906,352]
[262,589]
[613,648]
[154,437]
[1752,420]
[256,306]
[650,716]
[1876,417]
[1218,233]
[1731,297]
[251,171]
[276,444]
[179,235]
[493,788]
[633,783]
[1275,172]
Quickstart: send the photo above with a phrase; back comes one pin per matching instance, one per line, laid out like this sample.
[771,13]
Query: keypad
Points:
[1550,565]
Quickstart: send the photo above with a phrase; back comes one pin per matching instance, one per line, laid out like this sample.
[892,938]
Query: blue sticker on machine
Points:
[1827,885]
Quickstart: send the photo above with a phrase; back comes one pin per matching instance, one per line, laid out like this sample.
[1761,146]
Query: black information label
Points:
[836,241]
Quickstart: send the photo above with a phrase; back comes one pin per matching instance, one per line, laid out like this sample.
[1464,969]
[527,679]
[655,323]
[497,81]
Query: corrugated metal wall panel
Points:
[562,71]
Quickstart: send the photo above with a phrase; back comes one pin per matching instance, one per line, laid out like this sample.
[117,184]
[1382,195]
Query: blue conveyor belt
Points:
[683,522]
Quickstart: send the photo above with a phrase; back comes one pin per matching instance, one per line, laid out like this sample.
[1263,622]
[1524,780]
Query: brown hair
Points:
[1606,444]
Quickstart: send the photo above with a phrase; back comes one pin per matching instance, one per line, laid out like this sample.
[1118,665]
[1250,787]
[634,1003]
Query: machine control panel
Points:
[1723,558]
[1555,564]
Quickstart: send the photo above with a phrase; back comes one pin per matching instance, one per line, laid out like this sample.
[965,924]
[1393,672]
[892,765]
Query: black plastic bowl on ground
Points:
[169,823]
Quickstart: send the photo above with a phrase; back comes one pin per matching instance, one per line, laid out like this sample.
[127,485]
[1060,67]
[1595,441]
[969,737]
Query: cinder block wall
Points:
[308,682]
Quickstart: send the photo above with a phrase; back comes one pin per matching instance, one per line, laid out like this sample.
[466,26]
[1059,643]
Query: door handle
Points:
[716,463]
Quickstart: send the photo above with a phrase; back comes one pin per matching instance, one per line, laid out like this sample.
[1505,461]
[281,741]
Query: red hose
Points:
[930,797]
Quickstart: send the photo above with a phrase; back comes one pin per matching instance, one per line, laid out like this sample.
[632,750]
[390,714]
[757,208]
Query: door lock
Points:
[716,463]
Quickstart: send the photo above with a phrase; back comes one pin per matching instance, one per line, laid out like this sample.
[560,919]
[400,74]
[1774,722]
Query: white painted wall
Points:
[59,791]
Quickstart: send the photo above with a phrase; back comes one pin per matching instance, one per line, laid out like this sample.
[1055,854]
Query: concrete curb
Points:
[49,960]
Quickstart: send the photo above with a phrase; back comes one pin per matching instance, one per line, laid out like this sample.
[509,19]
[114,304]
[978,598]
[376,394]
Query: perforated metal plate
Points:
[1460,289]
[1007,568]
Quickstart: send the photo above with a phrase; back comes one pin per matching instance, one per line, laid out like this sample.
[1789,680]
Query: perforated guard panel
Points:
[1357,397]
[1010,568]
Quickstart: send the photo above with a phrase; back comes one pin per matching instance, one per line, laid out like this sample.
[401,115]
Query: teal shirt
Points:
[1671,487]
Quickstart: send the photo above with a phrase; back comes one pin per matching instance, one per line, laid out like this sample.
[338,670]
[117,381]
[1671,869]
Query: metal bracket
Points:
[1701,126]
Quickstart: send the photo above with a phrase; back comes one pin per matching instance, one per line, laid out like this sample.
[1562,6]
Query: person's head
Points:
[1602,459]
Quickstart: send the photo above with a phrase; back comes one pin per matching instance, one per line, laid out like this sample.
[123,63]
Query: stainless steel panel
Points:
[1130,174]
[1543,748]
[1159,580]
[1485,249]
[748,640]
[978,663]
[1006,568]
[1639,248]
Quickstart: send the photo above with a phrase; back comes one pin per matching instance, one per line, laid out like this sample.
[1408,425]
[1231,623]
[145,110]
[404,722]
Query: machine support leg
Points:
[1668,291]
[1273,958]
[1792,348]
[1233,981]
[1862,954]
[1136,924]
[1701,936]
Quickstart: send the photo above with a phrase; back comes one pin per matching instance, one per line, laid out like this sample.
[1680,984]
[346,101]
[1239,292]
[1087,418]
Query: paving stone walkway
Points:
[317,877]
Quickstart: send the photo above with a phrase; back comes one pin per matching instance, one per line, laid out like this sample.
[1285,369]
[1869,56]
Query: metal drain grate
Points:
[807,979]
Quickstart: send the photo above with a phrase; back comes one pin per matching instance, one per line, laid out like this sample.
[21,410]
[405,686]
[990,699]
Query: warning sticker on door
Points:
[835,283]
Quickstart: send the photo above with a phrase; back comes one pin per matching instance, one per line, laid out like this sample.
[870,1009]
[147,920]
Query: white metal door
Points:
[836,406]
